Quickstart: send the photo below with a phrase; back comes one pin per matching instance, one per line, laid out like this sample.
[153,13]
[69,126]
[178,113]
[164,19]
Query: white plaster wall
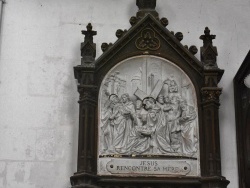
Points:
[39,45]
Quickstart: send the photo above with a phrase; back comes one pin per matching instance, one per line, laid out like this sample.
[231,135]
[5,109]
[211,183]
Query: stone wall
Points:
[40,44]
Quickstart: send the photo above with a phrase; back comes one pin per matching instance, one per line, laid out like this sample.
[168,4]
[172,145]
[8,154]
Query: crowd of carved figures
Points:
[162,125]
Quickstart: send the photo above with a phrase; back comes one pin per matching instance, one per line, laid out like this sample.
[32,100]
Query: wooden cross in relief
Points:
[154,93]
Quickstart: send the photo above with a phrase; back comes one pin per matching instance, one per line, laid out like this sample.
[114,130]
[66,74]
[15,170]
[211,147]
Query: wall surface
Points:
[40,44]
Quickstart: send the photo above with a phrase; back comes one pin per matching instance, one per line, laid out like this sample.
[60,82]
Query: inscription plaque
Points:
[148,123]
[148,166]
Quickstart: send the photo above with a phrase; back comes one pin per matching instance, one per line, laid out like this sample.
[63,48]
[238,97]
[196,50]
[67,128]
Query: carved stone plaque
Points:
[148,120]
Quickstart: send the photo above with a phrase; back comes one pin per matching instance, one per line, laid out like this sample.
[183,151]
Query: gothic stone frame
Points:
[149,37]
[241,96]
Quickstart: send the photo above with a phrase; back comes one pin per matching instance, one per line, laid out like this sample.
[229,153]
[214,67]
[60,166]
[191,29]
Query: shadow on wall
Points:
[2,2]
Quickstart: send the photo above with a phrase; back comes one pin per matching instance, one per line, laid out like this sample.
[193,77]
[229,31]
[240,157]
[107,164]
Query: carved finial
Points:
[207,31]
[89,27]
[208,51]
[146,4]
[89,33]
[88,47]
[133,20]
[146,7]
[119,33]
[105,46]
[164,21]
[193,49]
[207,38]
[179,36]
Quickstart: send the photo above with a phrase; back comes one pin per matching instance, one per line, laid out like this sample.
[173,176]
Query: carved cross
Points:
[154,93]
[208,51]
[207,38]
[89,34]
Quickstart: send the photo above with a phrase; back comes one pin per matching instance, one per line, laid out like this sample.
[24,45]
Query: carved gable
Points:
[149,36]
[148,109]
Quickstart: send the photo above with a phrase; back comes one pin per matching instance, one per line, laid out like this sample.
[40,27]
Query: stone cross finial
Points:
[89,34]
[146,4]
[208,51]
[88,47]
[207,38]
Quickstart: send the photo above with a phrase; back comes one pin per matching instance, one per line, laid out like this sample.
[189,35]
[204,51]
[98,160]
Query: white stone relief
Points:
[148,107]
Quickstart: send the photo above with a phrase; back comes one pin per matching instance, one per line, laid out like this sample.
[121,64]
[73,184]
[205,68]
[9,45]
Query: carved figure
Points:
[168,134]
[188,128]
[125,123]
[172,85]
[155,119]
[160,101]
[110,118]
[173,124]
[144,139]
[138,113]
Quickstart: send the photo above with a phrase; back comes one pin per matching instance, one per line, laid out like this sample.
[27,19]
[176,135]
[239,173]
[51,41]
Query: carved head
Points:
[138,104]
[166,99]
[175,99]
[160,99]
[173,87]
[114,99]
[148,103]
[183,104]
[125,98]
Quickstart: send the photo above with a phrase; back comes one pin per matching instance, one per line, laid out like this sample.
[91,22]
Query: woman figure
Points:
[168,135]
[125,124]
[188,128]
[111,117]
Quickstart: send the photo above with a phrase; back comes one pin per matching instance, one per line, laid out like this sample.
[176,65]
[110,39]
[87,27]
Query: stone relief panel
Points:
[148,120]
